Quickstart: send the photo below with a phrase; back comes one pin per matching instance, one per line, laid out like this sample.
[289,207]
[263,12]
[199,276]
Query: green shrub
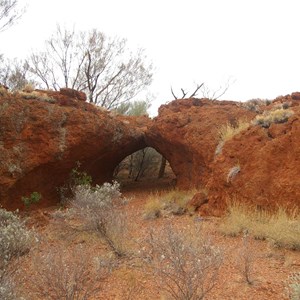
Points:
[79,177]
[34,197]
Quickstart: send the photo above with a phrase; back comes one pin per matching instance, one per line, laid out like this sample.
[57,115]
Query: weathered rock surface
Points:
[42,138]
[268,159]
[186,132]
[41,141]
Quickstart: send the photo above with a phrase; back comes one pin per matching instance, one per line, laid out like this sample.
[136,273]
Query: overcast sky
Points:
[253,43]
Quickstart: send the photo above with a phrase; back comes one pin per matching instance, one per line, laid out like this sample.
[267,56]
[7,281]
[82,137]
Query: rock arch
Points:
[41,141]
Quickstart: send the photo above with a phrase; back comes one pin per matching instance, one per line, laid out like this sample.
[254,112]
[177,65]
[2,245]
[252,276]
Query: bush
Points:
[34,197]
[8,288]
[256,104]
[98,207]
[15,241]
[293,288]
[276,116]
[15,238]
[280,227]
[184,264]
[66,274]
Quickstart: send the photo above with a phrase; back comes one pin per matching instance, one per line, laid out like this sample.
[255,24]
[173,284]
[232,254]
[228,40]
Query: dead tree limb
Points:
[185,93]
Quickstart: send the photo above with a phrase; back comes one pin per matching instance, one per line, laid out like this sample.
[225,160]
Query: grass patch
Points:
[174,202]
[281,228]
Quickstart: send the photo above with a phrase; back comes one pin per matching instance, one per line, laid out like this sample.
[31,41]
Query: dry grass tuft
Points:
[173,202]
[228,131]
[281,228]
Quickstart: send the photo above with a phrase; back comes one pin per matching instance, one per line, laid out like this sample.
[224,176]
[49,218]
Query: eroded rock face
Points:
[269,168]
[41,141]
[42,138]
[186,132]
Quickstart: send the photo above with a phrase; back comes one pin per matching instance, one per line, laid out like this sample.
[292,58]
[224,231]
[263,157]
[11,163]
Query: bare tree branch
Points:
[196,90]
[91,62]
[9,13]
[173,94]
[185,93]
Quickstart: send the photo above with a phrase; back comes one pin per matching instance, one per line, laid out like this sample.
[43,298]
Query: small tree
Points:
[90,61]
[14,74]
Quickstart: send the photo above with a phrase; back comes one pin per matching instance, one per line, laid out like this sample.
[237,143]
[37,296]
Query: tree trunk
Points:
[162,168]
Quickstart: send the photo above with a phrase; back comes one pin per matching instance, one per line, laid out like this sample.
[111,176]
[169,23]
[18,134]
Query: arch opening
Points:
[145,169]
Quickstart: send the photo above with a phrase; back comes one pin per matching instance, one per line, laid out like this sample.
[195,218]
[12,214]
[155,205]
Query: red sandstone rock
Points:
[40,142]
[186,133]
[269,168]
[197,201]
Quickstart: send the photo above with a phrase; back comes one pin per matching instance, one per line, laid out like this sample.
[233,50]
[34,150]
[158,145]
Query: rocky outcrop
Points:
[186,132]
[268,174]
[44,134]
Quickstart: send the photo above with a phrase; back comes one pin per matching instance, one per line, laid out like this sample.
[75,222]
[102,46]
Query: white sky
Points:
[255,43]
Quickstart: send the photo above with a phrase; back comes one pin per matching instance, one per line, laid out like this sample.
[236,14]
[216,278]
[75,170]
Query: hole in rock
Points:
[145,170]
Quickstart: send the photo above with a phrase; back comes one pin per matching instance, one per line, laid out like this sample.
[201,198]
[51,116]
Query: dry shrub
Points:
[173,202]
[281,228]
[62,273]
[100,208]
[36,95]
[276,116]
[256,104]
[15,241]
[245,259]
[184,263]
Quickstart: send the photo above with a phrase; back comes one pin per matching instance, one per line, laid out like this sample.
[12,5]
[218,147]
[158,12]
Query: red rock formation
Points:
[186,133]
[268,159]
[44,134]
[42,139]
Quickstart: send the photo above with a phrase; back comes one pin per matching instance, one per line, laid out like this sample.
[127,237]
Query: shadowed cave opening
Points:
[145,169]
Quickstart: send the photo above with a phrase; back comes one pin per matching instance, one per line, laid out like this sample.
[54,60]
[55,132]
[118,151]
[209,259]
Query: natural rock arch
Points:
[42,140]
